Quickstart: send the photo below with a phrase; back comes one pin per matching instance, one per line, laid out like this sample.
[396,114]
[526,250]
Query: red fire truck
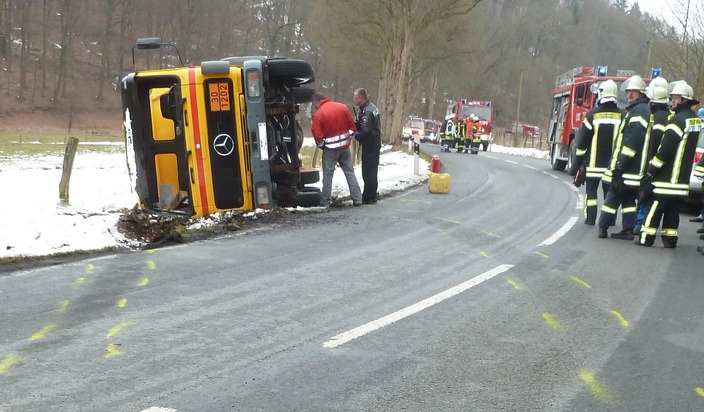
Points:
[575,95]
[481,109]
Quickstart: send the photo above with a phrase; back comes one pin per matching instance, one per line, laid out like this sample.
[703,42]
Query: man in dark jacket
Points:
[332,128]
[369,135]
[670,168]
[595,143]
[626,163]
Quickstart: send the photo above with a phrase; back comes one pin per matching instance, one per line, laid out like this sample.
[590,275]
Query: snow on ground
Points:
[36,224]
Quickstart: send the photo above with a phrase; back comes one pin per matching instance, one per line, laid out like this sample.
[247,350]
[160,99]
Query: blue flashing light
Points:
[655,72]
[602,70]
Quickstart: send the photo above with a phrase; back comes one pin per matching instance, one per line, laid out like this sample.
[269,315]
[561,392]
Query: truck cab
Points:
[218,136]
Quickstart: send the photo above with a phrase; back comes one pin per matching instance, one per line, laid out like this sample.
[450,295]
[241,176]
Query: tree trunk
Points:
[69,156]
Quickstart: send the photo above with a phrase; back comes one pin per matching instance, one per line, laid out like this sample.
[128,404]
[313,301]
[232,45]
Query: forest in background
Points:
[65,57]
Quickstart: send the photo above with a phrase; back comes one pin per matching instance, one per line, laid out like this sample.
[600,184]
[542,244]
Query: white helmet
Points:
[475,118]
[657,90]
[608,90]
[634,83]
[681,88]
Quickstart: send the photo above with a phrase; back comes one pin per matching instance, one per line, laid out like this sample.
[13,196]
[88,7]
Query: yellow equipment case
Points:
[439,182]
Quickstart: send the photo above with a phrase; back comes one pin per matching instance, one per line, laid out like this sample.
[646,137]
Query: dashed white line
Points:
[158,409]
[415,308]
[510,161]
[561,232]
[530,167]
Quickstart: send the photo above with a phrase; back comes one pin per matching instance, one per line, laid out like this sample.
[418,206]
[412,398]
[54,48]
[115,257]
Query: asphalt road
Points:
[492,297]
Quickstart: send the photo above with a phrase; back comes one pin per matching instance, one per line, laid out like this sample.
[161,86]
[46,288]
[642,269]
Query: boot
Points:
[700,249]
[669,242]
[602,234]
[626,234]
[700,230]
[589,222]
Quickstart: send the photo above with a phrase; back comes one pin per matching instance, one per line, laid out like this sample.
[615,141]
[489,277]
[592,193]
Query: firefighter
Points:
[477,140]
[670,168]
[595,143]
[624,168]
[447,135]
[469,133]
[660,115]
[459,136]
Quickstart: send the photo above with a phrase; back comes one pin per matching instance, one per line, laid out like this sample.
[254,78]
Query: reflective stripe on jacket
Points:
[596,139]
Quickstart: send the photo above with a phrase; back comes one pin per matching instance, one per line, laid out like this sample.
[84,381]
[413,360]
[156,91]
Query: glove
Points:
[645,190]
[617,180]
[579,178]
[320,143]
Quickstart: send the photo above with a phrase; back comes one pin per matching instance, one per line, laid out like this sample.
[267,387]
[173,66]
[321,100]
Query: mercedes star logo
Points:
[223,145]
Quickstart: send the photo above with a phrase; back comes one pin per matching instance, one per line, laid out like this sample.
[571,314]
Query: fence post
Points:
[69,156]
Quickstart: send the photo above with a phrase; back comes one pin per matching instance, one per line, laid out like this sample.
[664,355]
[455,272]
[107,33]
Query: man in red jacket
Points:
[333,127]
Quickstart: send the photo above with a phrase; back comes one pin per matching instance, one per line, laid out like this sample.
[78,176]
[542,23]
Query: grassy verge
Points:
[20,144]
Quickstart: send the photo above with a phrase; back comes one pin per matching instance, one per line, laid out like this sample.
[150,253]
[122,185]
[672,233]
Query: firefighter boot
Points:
[669,242]
[626,234]
[645,240]
[602,234]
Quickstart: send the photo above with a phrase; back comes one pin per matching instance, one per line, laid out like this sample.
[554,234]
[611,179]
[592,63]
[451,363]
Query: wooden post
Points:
[69,155]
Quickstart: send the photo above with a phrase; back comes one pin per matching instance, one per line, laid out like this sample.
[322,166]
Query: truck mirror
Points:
[168,104]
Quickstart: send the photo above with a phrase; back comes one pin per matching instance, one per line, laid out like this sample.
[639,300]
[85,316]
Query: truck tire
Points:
[309,198]
[302,95]
[309,175]
[556,163]
[291,72]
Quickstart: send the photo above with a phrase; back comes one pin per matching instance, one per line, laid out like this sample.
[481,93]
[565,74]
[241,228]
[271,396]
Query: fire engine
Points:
[414,126]
[217,136]
[574,96]
[481,109]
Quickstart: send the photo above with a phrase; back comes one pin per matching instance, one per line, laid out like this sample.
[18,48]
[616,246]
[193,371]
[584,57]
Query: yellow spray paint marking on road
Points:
[491,234]
[581,282]
[596,388]
[150,251]
[115,329]
[151,265]
[551,321]
[122,303]
[8,361]
[620,318]
[113,350]
[700,391]
[485,254]
[90,268]
[62,307]
[44,331]
[515,284]
[143,282]
[451,221]
[542,255]
[77,284]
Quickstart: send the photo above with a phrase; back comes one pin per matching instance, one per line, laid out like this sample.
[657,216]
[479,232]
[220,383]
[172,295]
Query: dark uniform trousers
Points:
[626,198]
[666,208]
[370,169]
[591,203]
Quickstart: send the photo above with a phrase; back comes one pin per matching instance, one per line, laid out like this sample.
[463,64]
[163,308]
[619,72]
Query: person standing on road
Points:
[626,162]
[332,129]
[671,167]
[700,218]
[595,143]
[660,115]
[368,134]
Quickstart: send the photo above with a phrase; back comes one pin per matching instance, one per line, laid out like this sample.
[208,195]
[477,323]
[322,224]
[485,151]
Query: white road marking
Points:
[561,232]
[510,161]
[572,186]
[580,202]
[413,309]
[530,167]
[158,409]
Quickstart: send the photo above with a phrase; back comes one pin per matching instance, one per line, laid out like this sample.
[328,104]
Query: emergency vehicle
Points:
[218,136]
[574,96]
[481,109]
[414,126]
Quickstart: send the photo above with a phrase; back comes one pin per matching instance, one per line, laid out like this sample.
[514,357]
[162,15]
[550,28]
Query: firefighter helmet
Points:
[634,83]
[657,90]
[608,90]
[681,88]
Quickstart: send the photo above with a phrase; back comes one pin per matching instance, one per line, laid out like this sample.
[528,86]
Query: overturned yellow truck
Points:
[218,136]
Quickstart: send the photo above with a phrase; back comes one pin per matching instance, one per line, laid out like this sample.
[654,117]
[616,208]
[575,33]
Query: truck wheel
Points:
[291,72]
[557,164]
[309,198]
[309,175]
[302,95]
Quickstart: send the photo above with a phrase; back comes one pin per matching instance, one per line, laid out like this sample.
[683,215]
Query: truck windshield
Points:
[482,112]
